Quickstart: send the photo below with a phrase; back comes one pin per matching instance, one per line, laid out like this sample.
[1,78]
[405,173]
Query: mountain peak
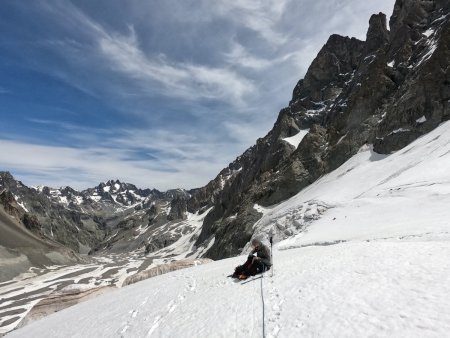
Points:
[377,34]
[112,182]
[409,14]
[6,176]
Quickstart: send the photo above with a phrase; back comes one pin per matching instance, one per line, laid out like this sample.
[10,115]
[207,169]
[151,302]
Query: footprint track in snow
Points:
[133,314]
[124,329]
[144,301]
[276,302]
[171,306]
[154,326]
[190,286]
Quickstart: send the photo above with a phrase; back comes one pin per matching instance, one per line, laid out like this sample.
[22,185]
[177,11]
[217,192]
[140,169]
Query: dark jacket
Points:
[263,252]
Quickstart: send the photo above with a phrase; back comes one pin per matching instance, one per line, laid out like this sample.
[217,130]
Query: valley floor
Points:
[360,289]
[42,291]
[64,285]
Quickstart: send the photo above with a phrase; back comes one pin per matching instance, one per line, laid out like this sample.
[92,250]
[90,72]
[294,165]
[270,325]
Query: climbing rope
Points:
[263,306]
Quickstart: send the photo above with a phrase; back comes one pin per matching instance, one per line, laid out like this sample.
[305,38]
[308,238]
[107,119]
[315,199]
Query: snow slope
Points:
[350,289]
[366,254]
[371,196]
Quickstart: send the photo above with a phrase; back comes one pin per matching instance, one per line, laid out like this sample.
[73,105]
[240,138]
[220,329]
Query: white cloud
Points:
[246,133]
[189,81]
[153,73]
[260,16]
[178,161]
[240,56]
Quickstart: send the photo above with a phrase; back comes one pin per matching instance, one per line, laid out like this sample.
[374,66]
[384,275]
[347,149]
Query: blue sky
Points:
[161,94]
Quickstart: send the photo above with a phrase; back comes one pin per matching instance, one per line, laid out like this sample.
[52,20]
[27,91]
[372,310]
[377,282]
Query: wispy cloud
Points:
[261,16]
[4,91]
[238,55]
[172,168]
[159,158]
[186,80]
[146,72]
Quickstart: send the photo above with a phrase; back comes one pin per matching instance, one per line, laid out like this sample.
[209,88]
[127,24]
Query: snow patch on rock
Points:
[297,138]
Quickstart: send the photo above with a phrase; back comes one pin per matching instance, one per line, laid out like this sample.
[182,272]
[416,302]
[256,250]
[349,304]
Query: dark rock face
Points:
[159,242]
[421,74]
[31,223]
[326,77]
[378,34]
[385,91]
[178,208]
[9,204]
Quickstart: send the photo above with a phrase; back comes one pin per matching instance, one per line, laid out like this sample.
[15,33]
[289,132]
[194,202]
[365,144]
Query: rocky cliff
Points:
[385,91]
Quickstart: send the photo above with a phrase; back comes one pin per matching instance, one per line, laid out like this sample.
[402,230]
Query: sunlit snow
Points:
[362,252]
[297,138]
[421,120]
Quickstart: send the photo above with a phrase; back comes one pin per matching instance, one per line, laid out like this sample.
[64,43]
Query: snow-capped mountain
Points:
[112,192]
[112,216]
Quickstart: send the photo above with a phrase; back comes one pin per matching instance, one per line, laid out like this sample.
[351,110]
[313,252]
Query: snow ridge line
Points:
[312,244]
[339,241]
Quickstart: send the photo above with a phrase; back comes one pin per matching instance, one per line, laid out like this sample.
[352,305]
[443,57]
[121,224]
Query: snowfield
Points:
[349,290]
[362,252]
[372,196]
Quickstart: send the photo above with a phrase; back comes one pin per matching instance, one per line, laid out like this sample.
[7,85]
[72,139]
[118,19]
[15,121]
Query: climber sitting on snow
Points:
[254,264]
